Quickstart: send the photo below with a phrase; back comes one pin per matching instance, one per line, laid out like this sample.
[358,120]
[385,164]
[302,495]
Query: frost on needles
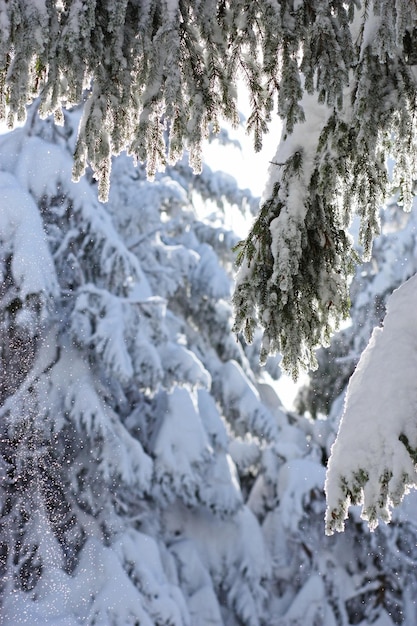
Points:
[297,260]
[158,75]
[161,73]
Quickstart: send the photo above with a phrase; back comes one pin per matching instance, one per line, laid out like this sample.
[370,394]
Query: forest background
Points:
[149,472]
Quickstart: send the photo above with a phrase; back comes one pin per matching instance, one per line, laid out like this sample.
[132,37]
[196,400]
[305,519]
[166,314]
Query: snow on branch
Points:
[295,264]
[32,267]
[373,461]
[331,163]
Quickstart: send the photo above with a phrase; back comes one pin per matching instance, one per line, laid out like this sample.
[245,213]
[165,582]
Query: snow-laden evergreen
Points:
[391,264]
[377,467]
[375,474]
[297,261]
[120,500]
[373,462]
[147,473]
[165,63]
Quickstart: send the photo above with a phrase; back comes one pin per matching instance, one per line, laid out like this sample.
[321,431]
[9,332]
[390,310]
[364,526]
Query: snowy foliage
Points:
[357,109]
[387,466]
[372,462]
[376,468]
[108,419]
[147,473]
[157,78]
[392,263]
[120,499]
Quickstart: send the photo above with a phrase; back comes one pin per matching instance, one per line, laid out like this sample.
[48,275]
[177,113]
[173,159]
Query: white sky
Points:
[249,168]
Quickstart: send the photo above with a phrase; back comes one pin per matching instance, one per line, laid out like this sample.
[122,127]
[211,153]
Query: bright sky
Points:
[249,168]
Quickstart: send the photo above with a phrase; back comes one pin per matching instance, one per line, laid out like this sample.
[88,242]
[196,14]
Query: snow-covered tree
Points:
[122,392]
[379,476]
[333,162]
[132,422]
[122,387]
[356,461]
[148,474]
[392,262]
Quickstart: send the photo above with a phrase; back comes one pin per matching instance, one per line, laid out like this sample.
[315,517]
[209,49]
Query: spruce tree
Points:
[149,472]
[155,78]
[122,390]
[374,472]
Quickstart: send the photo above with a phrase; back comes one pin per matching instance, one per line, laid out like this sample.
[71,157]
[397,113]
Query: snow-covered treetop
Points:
[160,72]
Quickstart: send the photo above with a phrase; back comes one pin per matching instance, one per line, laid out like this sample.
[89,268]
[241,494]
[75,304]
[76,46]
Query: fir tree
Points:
[148,473]
[120,500]
[113,345]
[374,473]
